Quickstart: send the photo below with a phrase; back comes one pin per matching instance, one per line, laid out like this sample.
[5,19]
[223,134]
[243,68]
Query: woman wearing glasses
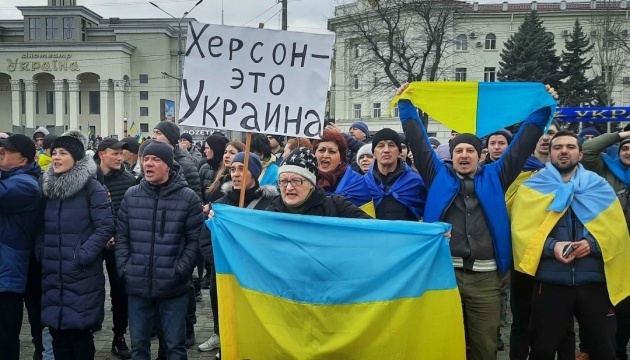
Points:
[299,195]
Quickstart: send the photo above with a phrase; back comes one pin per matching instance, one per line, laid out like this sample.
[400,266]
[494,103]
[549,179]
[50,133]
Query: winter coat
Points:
[354,146]
[157,237]
[264,195]
[207,175]
[78,222]
[491,181]
[191,175]
[19,218]
[319,204]
[589,269]
[593,160]
[118,182]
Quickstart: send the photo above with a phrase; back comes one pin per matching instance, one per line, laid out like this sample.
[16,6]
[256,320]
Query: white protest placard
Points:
[255,80]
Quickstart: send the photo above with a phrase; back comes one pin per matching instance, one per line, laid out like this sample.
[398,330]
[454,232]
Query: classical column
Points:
[59,109]
[119,107]
[104,108]
[31,87]
[73,94]
[16,104]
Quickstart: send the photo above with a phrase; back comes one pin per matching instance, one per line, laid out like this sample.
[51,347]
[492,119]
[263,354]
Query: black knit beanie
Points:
[465,139]
[160,150]
[622,143]
[73,145]
[386,134]
[170,130]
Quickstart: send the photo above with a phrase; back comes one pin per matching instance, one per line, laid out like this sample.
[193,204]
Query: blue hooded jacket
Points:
[491,181]
[19,215]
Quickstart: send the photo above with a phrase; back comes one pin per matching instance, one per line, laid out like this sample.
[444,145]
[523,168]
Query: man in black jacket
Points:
[157,246]
[109,157]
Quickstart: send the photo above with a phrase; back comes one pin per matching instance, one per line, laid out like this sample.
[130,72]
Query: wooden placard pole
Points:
[248,143]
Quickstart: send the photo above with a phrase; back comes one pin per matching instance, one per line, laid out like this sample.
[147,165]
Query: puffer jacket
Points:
[189,169]
[19,216]
[589,269]
[207,175]
[264,195]
[118,182]
[319,204]
[78,222]
[157,237]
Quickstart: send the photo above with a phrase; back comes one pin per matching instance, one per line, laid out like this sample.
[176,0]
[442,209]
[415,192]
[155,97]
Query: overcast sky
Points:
[304,15]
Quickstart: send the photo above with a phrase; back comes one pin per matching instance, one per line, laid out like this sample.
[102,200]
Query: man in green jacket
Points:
[615,171]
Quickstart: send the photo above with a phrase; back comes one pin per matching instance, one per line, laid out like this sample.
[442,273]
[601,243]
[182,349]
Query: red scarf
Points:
[329,180]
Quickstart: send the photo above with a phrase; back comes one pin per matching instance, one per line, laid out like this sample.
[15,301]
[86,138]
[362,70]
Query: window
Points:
[52,29]
[356,52]
[355,82]
[376,110]
[144,127]
[68,28]
[144,79]
[36,102]
[396,111]
[80,105]
[35,27]
[491,42]
[94,102]
[489,74]
[460,74]
[607,73]
[357,111]
[144,95]
[144,111]
[461,42]
[50,101]
[375,79]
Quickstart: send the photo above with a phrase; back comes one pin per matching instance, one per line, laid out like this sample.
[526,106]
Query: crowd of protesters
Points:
[72,208]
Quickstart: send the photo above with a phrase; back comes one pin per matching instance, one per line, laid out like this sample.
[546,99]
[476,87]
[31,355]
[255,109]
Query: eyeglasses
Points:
[294,182]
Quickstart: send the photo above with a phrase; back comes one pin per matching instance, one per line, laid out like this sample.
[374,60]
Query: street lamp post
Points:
[180,48]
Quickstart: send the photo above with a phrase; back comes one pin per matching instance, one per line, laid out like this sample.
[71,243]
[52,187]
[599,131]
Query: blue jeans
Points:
[172,313]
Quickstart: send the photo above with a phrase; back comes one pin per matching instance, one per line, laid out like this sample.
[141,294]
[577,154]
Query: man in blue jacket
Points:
[472,199]
[19,207]
[157,240]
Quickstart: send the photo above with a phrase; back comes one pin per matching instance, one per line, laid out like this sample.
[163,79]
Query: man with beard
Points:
[471,198]
[563,232]
[521,285]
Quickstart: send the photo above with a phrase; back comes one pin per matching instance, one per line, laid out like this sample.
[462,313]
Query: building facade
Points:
[477,37]
[63,66]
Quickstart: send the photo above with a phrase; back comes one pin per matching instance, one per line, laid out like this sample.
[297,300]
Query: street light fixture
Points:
[180,47]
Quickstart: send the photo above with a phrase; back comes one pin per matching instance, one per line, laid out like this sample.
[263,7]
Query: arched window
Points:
[461,42]
[491,42]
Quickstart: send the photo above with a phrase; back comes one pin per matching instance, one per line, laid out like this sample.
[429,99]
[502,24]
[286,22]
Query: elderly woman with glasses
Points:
[297,178]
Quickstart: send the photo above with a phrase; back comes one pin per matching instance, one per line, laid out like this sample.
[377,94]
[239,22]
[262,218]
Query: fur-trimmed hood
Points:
[63,186]
[265,191]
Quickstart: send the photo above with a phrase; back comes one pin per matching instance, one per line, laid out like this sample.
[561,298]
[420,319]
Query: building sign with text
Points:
[43,62]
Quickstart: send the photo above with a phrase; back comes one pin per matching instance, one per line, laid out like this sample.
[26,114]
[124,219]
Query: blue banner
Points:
[592,114]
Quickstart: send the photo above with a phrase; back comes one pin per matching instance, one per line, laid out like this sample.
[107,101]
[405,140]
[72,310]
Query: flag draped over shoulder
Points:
[542,200]
[478,108]
[309,287]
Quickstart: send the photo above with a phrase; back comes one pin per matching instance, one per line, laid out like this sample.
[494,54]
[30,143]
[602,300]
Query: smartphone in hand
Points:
[566,252]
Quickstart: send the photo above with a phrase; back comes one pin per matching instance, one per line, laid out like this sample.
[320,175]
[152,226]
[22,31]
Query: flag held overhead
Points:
[478,108]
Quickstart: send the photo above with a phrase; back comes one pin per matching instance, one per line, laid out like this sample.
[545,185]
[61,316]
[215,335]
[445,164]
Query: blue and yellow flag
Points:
[133,128]
[478,108]
[541,201]
[139,138]
[310,287]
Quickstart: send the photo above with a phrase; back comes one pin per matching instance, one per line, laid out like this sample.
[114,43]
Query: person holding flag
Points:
[471,198]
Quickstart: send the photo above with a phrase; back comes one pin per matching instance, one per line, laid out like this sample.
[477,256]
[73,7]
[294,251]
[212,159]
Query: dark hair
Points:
[556,124]
[566,133]
[261,144]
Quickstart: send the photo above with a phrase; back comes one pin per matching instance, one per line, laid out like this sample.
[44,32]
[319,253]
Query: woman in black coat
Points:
[78,223]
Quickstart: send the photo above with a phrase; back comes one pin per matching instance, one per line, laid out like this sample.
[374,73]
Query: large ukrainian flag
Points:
[307,287]
[478,108]
[541,201]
